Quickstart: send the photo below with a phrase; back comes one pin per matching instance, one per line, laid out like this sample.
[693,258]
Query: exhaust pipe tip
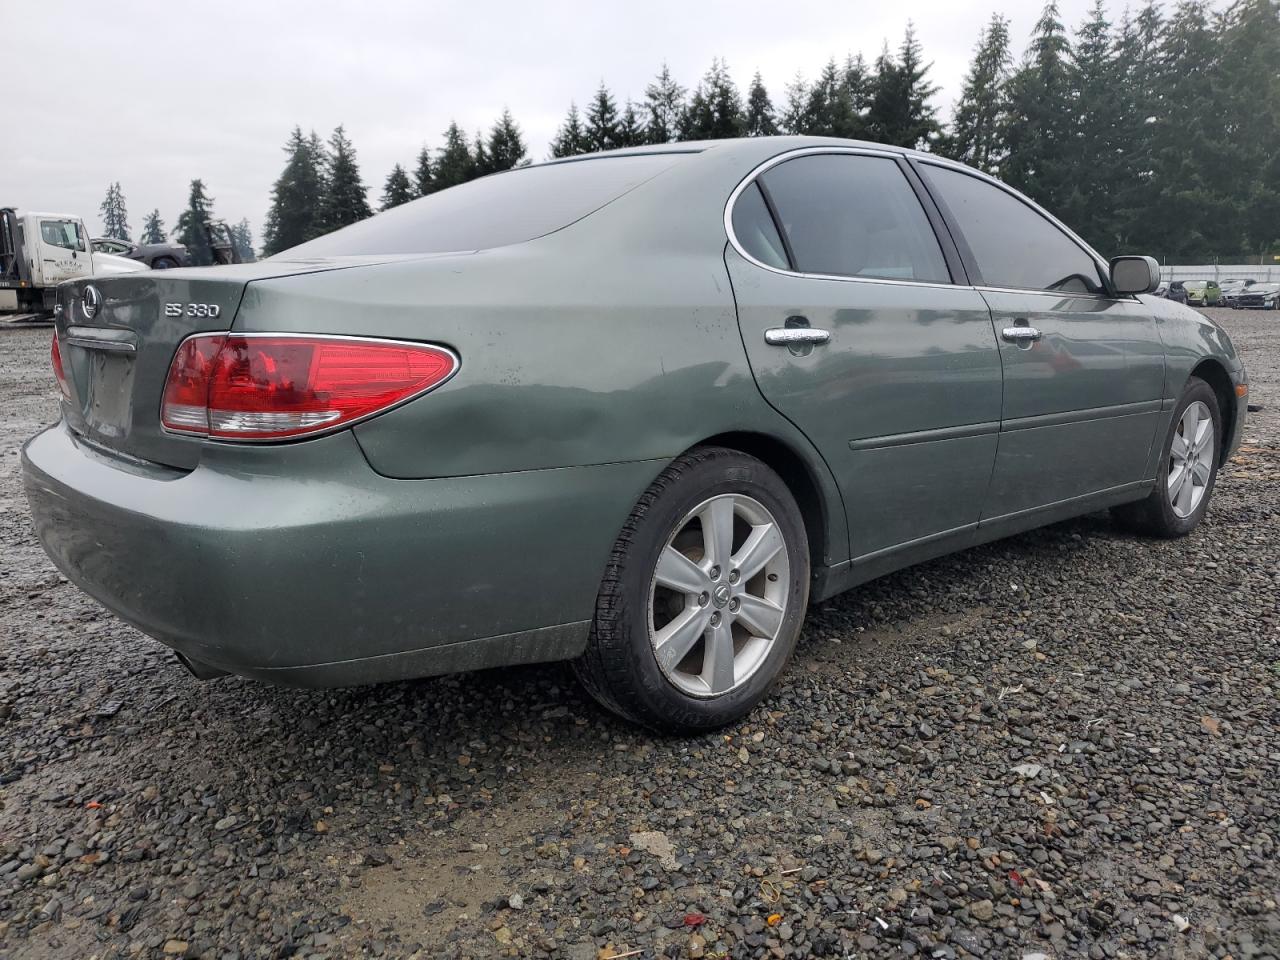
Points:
[201,671]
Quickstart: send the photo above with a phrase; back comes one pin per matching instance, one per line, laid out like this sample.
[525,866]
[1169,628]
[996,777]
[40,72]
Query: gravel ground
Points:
[1066,744]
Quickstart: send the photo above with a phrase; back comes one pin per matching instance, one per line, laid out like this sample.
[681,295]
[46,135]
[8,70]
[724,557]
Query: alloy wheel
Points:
[719,593]
[1191,458]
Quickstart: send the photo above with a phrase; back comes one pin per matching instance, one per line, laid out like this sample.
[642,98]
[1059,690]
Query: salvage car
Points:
[634,410]
[1230,288]
[157,256]
[1172,291]
[1204,293]
[1260,296]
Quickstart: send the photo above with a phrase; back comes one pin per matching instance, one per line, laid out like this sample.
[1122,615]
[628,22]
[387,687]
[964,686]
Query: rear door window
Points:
[1013,244]
[847,215]
[754,227]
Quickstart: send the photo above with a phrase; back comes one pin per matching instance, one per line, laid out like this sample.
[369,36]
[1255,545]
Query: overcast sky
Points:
[156,94]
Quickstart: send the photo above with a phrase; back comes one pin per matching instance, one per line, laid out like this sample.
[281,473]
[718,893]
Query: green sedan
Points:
[1204,293]
[634,410]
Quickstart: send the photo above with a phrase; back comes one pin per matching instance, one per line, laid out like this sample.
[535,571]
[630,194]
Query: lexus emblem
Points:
[92,301]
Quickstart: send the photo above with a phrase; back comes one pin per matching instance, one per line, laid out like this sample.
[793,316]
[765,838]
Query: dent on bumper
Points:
[299,564]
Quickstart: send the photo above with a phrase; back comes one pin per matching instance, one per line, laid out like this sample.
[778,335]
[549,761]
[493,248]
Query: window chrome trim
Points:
[760,169]
[1058,294]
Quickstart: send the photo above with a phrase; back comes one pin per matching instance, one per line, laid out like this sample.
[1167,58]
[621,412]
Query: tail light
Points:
[55,357]
[278,386]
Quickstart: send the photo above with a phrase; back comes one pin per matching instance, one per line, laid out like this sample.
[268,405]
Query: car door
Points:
[1083,369]
[857,331]
[64,252]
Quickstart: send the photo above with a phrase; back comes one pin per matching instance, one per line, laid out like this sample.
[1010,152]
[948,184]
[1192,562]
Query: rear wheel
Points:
[1188,470]
[163,263]
[703,597]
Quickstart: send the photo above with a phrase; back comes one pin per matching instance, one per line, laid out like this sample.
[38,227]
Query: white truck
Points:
[40,250]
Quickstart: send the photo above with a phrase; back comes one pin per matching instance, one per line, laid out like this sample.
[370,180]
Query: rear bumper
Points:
[301,565]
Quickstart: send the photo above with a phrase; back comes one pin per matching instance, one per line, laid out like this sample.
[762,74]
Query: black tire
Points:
[164,263]
[620,668]
[1155,516]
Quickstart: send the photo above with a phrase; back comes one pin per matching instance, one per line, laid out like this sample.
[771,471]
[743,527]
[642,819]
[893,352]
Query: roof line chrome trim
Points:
[773,161]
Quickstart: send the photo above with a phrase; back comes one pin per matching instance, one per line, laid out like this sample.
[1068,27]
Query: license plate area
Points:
[102,364]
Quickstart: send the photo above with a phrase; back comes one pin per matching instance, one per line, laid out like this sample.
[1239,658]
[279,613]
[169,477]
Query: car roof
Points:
[764,146]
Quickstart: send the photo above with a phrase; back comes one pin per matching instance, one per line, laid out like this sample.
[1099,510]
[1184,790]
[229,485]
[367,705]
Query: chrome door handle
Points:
[1020,334]
[788,336]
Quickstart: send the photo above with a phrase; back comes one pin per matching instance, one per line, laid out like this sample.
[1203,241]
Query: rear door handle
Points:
[788,336]
[1022,333]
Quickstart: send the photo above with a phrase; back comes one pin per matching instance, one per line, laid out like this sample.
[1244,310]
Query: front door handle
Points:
[1022,333]
[789,336]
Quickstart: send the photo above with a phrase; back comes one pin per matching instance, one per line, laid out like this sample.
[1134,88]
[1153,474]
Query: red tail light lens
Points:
[55,357]
[274,387]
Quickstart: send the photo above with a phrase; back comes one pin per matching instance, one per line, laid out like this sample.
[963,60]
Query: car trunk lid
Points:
[117,343]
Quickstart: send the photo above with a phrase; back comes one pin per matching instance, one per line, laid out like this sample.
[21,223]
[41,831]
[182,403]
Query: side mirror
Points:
[1135,274]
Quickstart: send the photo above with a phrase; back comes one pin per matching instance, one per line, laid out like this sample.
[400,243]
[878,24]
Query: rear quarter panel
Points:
[566,359]
[615,339]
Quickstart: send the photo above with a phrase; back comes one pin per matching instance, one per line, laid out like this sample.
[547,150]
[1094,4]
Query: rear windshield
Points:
[493,211]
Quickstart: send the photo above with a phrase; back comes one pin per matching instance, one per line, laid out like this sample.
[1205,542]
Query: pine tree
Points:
[242,237]
[1096,125]
[1198,202]
[480,158]
[297,198]
[760,121]
[829,111]
[975,136]
[795,116]
[631,131]
[346,198]
[115,218]
[455,163]
[193,225]
[715,110]
[1037,129]
[900,111]
[571,138]
[152,228]
[398,188]
[1250,122]
[506,144]
[1139,92]
[664,103]
[858,83]
[602,121]
[424,176]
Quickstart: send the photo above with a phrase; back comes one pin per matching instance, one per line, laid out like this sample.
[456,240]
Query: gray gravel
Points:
[1065,744]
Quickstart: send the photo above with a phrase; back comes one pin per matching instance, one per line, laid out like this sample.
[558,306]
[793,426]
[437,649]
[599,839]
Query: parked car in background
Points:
[1231,289]
[1202,293]
[157,256]
[1260,296]
[634,410]
[1174,291]
[109,265]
